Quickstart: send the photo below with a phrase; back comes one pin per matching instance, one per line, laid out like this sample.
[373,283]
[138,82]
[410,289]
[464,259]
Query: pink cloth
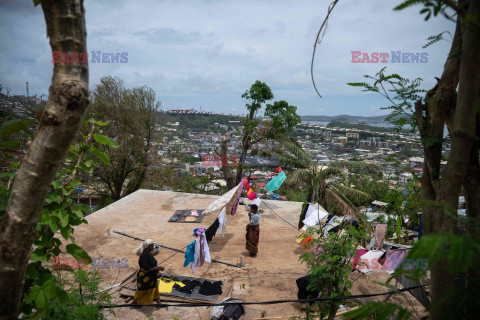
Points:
[235,205]
[379,234]
[393,259]
[356,259]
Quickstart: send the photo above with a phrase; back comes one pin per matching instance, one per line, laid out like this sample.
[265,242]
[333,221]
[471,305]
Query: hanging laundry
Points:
[393,259]
[356,259]
[279,169]
[369,261]
[379,234]
[190,254]
[237,200]
[257,202]
[225,201]
[276,182]
[302,214]
[212,230]
[198,231]
[222,221]
[250,194]
[202,252]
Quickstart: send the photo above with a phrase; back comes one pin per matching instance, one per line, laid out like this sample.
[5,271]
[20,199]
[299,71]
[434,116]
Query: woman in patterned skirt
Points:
[253,231]
[147,286]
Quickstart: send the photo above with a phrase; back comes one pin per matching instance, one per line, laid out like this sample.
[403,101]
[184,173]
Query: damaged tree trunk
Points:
[443,103]
[226,169]
[59,123]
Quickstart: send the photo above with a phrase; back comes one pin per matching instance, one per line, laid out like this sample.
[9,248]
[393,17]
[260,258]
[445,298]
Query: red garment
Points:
[307,242]
[356,259]
[279,169]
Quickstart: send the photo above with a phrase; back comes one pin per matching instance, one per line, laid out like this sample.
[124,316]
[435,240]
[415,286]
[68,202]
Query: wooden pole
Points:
[175,249]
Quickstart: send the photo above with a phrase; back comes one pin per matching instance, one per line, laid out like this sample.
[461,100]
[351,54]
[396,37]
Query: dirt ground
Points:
[269,276]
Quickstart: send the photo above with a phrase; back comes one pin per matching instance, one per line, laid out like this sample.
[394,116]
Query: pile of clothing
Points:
[206,288]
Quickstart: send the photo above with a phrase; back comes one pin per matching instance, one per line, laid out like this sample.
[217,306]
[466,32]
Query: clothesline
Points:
[279,216]
[387,293]
[175,249]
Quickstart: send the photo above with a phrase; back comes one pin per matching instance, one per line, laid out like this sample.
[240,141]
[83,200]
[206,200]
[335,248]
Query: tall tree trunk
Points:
[226,169]
[243,155]
[59,123]
[433,115]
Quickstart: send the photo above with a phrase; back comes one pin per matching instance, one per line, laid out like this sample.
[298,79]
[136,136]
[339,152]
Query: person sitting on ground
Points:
[253,231]
[147,284]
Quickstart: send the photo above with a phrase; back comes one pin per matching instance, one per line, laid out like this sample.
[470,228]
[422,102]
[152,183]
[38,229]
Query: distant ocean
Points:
[375,124]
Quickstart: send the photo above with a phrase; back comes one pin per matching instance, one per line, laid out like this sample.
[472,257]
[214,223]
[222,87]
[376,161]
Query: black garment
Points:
[303,292]
[302,216]
[212,230]
[189,286]
[233,311]
[147,262]
[211,288]
[146,277]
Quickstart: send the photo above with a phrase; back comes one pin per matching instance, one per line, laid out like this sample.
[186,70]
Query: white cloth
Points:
[255,219]
[313,215]
[257,202]
[370,261]
[226,201]
[222,221]
[335,221]
[198,259]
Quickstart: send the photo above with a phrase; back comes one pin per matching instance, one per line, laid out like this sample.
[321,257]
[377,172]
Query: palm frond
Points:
[333,199]
[328,173]
[301,175]
[291,154]
[353,194]
[356,166]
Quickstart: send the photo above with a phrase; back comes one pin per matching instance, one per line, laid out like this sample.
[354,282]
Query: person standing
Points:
[147,284]
[253,231]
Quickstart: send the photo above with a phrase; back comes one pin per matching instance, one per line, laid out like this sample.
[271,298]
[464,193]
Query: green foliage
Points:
[436,38]
[379,310]
[323,184]
[402,93]
[59,213]
[258,93]
[462,255]
[329,266]
[283,117]
[128,116]
[80,299]
[430,7]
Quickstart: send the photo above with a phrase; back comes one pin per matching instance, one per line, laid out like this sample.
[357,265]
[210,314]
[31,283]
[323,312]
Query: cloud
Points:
[209,52]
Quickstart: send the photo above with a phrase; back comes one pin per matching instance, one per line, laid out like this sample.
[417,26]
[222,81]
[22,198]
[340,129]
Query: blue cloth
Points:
[276,182]
[190,254]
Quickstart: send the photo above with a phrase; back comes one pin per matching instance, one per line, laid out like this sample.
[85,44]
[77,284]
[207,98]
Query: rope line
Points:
[279,216]
[177,252]
[187,305]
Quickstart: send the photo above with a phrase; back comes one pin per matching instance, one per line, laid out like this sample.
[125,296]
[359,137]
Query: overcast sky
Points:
[206,53]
